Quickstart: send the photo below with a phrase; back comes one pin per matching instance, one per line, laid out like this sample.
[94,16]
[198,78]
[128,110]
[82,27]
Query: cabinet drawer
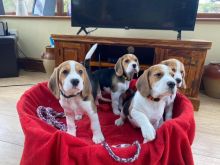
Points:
[70,51]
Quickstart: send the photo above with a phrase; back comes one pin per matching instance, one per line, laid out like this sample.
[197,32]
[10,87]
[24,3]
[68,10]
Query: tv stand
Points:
[179,34]
[84,29]
[149,52]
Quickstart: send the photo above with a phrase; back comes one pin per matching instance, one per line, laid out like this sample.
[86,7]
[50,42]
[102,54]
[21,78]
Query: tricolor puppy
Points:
[117,79]
[179,75]
[70,84]
[146,108]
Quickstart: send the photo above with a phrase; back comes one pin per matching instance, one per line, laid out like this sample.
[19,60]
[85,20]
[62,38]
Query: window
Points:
[63,7]
[10,6]
[209,6]
[29,4]
[66,5]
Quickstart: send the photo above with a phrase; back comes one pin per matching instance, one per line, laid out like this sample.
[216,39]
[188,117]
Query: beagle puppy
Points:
[179,75]
[146,108]
[70,84]
[115,81]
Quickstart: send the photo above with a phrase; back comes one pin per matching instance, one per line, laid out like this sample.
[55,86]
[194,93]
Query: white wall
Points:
[34,34]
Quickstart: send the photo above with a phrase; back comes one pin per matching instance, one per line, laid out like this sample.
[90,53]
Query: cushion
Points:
[44,144]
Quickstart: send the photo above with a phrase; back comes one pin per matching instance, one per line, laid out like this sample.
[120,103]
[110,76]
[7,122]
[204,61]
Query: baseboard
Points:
[30,64]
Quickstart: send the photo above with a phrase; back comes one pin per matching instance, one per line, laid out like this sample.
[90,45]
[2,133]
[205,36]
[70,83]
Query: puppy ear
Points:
[143,85]
[87,89]
[53,83]
[118,67]
[184,74]
[165,63]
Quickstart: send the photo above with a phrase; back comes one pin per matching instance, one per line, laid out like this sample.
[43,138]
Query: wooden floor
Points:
[206,146]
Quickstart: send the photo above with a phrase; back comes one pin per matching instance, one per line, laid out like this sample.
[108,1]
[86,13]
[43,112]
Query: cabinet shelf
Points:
[108,64]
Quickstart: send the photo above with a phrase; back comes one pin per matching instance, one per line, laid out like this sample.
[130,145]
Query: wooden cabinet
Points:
[70,51]
[193,61]
[150,51]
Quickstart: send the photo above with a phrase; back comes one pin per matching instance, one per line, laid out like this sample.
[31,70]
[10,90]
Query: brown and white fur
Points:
[179,75]
[70,84]
[147,106]
[117,79]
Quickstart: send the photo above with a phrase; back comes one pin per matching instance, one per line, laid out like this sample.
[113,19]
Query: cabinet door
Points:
[70,51]
[193,62]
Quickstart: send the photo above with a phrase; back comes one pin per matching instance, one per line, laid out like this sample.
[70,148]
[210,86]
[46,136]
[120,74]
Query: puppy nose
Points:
[171,84]
[74,82]
[178,80]
[134,65]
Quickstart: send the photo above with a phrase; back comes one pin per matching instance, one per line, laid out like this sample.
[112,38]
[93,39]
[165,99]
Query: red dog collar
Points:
[153,99]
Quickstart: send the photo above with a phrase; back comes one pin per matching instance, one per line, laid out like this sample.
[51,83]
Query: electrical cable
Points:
[20,51]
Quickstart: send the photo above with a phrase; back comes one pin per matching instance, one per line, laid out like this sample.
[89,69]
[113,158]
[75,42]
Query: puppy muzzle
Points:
[135,68]
[178,80]
[171,86]
[74,82]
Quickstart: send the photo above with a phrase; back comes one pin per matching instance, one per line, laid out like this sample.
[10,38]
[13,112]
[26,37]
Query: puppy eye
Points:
[174,70]
[181,71]
[172,74]
[126,61]
[80,72]
[135,60]
[159,74]
[65,72]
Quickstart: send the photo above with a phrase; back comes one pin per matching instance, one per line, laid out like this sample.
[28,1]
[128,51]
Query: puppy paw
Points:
[78,117]
[116,111]
[119,122]
[149,133]
[98,138]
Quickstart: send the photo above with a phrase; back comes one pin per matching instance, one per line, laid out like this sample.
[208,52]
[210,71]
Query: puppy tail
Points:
[89,55]
[91,51]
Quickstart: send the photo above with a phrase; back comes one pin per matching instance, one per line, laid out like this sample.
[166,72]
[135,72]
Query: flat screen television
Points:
[135,14]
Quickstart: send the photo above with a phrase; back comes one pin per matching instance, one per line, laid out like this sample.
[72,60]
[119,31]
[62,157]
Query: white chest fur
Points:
[146,114]
[153,110]
[123,86]
[170,99]
[75,104]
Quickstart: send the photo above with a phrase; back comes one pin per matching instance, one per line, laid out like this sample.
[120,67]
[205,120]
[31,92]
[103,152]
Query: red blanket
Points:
[45,144]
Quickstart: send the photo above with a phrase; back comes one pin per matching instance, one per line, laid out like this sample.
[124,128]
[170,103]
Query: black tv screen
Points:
[135,14]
